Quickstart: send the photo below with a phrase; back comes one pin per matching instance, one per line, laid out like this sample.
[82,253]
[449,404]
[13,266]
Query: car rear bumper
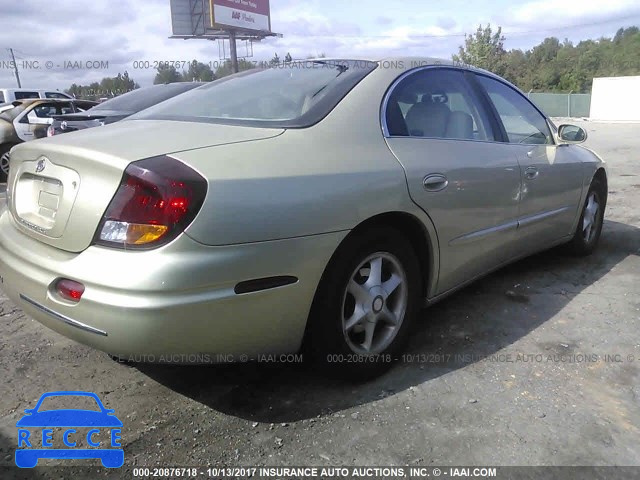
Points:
[173,302]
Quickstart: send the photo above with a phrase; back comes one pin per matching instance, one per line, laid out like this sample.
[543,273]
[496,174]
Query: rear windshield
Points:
[291,95]
[142,98]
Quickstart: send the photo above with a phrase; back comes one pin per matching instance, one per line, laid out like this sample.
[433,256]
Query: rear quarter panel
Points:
[324,178]
[7,132]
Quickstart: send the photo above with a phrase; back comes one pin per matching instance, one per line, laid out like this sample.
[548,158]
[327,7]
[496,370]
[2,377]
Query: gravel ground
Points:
[537,364]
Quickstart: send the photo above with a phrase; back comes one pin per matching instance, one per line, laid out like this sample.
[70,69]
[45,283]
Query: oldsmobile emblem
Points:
[40,166]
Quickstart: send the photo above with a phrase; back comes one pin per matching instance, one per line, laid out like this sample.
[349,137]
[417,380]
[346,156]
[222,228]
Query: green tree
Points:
[75,90]
[275,61]
[226,68]
[107,87]
[198,72]
[552,65]
[167,73]
[484,49]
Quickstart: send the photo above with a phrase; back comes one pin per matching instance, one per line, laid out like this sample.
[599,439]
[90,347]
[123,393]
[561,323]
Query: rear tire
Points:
[365,304]
[587,235]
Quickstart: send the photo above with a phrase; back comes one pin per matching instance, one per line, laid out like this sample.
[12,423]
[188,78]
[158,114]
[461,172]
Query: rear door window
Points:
[23,95]
[436,103]
[47,110]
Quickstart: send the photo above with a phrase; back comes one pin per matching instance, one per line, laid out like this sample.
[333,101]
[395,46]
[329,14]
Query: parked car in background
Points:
[29,119]
[6,106]
[8,95]
[319,205]
[118,108]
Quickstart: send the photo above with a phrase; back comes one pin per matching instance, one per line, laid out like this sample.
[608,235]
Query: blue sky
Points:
[126,31]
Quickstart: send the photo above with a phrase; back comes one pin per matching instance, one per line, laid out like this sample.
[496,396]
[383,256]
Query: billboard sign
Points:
[251,15]
[189,17]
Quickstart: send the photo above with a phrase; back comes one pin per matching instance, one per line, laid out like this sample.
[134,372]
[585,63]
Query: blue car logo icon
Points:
[32,447]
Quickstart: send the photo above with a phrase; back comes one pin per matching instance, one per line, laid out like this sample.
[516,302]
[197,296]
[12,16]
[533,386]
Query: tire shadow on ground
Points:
[473,324]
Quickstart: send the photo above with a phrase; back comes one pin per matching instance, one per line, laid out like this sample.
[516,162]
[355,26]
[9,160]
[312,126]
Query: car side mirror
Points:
[571,134]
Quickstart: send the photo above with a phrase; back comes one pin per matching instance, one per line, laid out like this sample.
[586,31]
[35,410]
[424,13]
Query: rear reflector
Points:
[69,289]
[157,199]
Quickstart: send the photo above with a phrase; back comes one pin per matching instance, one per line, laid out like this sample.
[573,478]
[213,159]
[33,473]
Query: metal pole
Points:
[569,104]
[15,67]
[233,51]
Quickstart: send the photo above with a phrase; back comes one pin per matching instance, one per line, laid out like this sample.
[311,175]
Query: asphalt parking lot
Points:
[537,364]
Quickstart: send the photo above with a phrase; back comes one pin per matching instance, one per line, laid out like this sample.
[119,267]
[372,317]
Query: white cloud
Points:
[549,13]
[124,31]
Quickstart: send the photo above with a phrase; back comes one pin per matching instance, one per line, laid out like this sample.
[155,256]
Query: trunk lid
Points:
[93,115]
[59,187]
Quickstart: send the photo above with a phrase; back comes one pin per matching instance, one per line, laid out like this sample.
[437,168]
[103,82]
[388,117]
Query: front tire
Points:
[365,304]
[587,235]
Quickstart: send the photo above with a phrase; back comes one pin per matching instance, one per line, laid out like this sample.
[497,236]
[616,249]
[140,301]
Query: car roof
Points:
[50,90]
[407,63]
[29,101]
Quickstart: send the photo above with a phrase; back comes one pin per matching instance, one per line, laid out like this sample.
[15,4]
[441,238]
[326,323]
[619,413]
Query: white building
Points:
[616,98]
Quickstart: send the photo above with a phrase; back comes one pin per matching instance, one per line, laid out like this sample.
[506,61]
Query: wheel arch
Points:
[417,234]
[422,237]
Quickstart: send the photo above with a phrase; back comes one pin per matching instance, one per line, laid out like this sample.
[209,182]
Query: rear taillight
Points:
[156,200]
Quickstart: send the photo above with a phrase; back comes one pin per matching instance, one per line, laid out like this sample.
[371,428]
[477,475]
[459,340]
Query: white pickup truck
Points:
[8,95]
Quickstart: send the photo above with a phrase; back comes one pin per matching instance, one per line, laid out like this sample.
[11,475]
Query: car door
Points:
[551,175]
[457,172]
[33,123]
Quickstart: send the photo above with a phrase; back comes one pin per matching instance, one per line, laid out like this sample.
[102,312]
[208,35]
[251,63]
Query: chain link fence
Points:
[562,104]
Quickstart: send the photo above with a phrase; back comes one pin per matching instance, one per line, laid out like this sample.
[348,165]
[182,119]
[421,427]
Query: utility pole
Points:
[15,66]
[233,51]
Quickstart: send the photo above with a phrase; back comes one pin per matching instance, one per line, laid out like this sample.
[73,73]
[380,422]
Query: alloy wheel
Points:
[4,163]
[590,218]
[374,304]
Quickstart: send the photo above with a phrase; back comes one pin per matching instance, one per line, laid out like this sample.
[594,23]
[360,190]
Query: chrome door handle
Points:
[435,182]
[531,172]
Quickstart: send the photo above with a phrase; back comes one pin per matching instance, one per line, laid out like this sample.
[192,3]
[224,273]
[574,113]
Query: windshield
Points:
[142,98]
[296,94]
